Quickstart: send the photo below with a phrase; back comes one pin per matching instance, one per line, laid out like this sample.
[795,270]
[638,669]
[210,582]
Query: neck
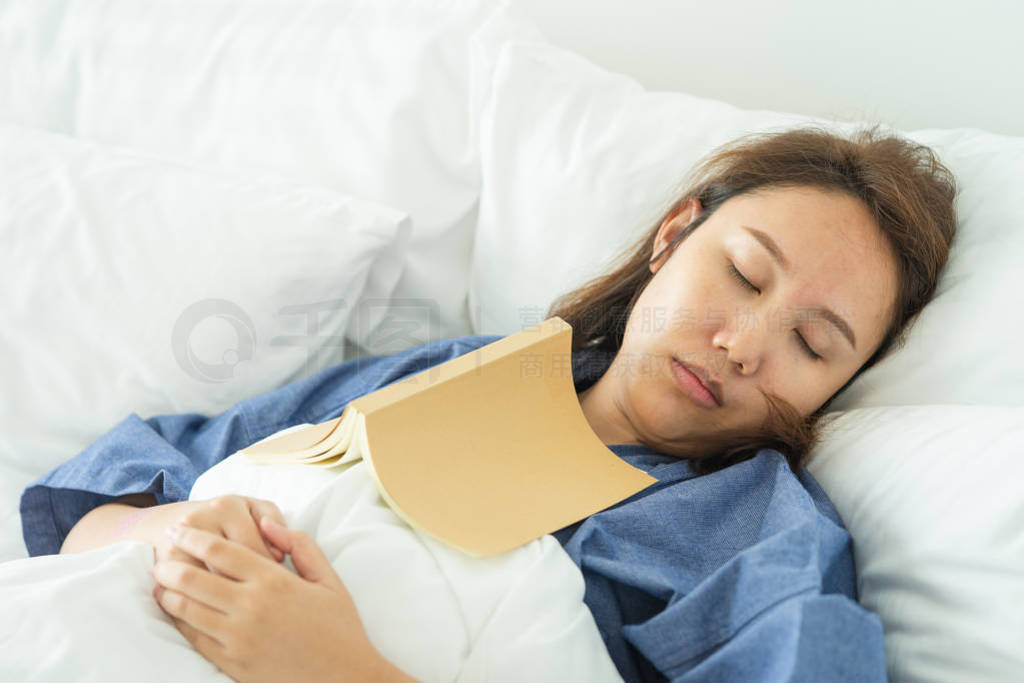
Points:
[600,412]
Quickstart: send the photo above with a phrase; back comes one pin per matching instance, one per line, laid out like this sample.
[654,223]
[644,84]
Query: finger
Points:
[244,529]
[191,612]
[171,552]
[277,534]
[205,644]
[228,557]
[196,583]
[308,558]
[212,649]
[265,508]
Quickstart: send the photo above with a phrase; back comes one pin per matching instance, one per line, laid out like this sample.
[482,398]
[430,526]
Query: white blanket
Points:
[436,613]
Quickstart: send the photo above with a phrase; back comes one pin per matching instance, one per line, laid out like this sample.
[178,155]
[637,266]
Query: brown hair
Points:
[904,185]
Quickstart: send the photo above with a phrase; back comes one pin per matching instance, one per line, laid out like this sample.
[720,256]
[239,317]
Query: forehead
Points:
[838,255]
[805,215]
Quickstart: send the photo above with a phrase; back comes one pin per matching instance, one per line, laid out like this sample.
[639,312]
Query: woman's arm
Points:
[134,517]
[232,517]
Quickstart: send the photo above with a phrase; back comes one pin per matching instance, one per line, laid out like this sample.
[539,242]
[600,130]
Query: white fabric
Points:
[931,496]
[123,275]
[578,162]
[436,613]
[369,97]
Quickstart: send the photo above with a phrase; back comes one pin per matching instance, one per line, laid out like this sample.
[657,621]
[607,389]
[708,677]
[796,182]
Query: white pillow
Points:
[931,495]
[578,162]
[370,97]
[138,285]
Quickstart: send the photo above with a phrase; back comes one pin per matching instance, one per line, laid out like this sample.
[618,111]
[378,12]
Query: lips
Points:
[714,387]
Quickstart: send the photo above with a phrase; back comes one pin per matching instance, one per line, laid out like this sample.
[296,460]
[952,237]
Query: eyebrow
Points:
[765,240]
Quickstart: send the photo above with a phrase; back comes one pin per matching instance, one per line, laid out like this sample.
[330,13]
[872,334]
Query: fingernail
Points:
[172,531]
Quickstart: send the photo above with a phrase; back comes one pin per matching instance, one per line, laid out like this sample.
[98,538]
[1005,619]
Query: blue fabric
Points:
[745,574]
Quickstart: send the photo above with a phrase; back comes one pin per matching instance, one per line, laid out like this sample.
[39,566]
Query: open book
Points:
[484,452]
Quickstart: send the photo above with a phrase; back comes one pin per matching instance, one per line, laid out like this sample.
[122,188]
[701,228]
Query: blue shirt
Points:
[745,574]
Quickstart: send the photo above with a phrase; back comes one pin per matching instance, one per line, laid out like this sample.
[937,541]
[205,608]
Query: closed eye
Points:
[738,276]
[746,284]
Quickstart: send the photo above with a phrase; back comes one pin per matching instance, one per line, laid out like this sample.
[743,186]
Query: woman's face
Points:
[696,310]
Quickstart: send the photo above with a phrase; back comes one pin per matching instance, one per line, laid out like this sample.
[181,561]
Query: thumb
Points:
[309,560]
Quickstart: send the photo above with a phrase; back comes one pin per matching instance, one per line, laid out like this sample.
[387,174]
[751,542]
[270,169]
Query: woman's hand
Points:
[257,621]
[232,517]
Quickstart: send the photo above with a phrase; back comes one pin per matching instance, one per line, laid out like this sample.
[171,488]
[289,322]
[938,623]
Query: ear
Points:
[677,220]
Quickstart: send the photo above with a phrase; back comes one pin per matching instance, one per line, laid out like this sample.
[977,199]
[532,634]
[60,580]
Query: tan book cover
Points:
[484,452]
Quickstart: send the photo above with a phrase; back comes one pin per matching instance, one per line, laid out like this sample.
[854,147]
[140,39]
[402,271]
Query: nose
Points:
[742,346]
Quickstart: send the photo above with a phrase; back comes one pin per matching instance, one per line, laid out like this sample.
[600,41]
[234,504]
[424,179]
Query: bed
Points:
[207,200]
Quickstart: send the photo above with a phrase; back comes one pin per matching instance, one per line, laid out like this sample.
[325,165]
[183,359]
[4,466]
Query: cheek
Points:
[694,292]
[800,390]
[656,309]
[809,394]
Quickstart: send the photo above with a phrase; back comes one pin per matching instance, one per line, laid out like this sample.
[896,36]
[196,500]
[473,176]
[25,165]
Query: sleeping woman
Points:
[785,266]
